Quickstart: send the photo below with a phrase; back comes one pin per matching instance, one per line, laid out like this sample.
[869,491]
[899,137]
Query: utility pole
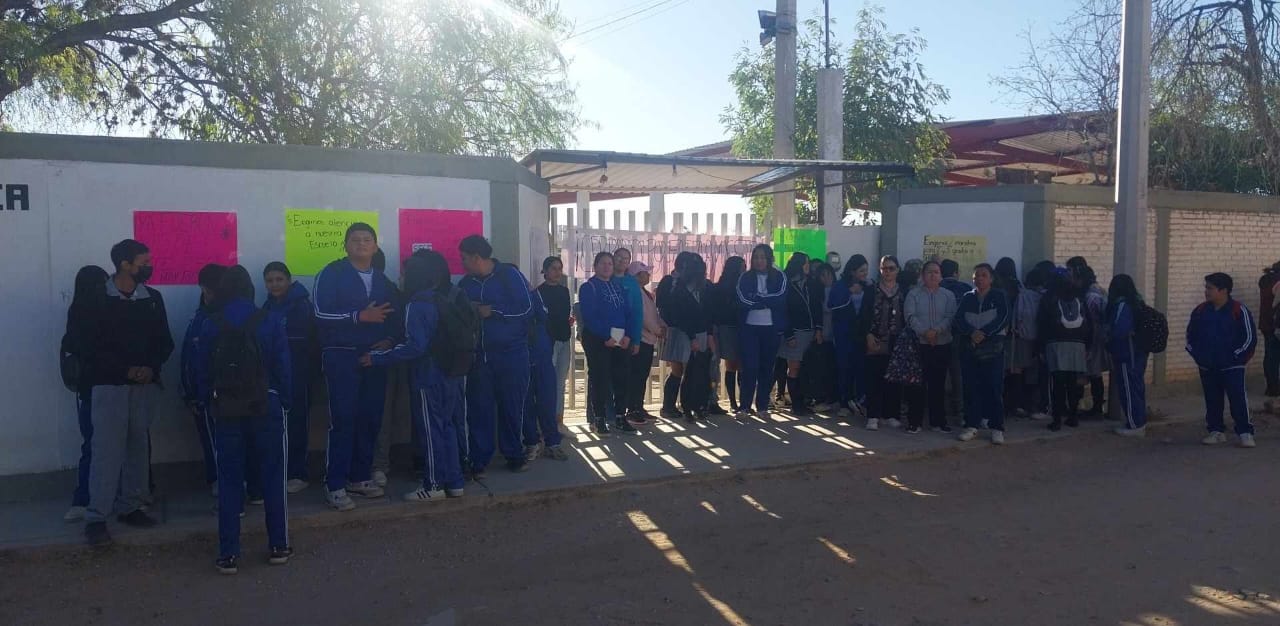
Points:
[830,133]
[784,108]
[1133,143]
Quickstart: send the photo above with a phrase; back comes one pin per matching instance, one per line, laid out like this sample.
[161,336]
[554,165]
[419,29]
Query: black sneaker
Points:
[691,416]
[635,419]
[477,476]
[671,414]
[137,519]
[517,466]
[623,427]
[228,565]
[602,427]
[913,430]
[1072,422]
[280,556]
[715,409]
[96,534]
[802,412]
[943,428]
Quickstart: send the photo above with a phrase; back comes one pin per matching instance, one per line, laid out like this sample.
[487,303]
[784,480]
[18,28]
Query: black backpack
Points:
[1151,332]
[70,363]
[240,381]
[458,332]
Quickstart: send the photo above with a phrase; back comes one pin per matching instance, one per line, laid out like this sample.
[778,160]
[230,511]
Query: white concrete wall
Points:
[535,242]
[79,209]
[999,222]
[851,240]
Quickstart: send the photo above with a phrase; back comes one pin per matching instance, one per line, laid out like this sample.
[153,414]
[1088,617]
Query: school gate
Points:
[65,201]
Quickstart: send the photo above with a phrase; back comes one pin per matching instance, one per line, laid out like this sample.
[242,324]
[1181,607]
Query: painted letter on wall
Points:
[182,242]
[440,230]
[313,238]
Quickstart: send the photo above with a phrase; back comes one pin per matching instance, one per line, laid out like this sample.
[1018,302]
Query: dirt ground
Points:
[1087,530]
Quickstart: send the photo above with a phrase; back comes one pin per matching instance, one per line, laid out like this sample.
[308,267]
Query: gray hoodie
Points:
[925,311]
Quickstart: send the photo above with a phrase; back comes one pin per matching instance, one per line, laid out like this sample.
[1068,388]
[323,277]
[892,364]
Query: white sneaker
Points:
[967,434]
[1040,417]
[823,407]
[380,478]
[873,424]
[340,500]
[74,514]
[997,437]
[1246,441]
[1214,439]
[296,485]
[422,495]
[366,489]
[983,425]
[893,423]
[845,413]
[531,453]
[1132,432]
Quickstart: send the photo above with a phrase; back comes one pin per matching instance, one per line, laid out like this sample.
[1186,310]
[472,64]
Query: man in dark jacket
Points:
[955,391]
[128,342]
[1267,325]
[1221,337]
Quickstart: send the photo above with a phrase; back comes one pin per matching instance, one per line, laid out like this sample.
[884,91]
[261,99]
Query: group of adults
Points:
[483,362]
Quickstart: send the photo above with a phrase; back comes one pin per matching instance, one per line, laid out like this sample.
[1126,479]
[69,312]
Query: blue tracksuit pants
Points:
[84,401]
[850,368]
[299,418]
[497,389]
[983,391]
[433,403]
[231,441]
[1131,389]
[759,350]
[1229,382]
[356,399]
[204,429]
[540,408]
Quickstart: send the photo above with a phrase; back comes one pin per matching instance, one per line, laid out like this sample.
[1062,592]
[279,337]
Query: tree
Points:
[447,76]
[1205,134]
[889,106]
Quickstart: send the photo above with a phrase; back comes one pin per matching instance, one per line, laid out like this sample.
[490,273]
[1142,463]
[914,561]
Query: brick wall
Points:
[1089,231]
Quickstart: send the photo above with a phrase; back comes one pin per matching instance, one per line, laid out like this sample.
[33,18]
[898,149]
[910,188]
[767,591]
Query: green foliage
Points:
[889,105]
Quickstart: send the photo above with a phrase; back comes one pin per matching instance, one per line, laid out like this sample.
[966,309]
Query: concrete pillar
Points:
[584,208]
[831,142]
[784,107]
[1133,142]
[657,213]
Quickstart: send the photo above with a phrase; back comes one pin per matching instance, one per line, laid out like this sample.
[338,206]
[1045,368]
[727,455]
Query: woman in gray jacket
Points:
[929,311]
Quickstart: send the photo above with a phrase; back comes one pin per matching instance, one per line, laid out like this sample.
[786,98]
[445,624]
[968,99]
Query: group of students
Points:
[486,361]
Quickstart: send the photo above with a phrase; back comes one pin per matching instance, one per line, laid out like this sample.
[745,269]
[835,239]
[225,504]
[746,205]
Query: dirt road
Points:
[1088,530]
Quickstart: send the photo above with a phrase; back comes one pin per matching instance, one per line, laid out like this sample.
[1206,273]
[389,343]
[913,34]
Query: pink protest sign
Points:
[439,230]
[182,242]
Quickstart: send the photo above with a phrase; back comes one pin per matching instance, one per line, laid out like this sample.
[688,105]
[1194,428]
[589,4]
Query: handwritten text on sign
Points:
[440,230]
[967,250]
[182,242]
[313,238]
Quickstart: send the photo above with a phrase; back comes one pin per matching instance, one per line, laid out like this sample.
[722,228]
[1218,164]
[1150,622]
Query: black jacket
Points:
[722,304]
[121,333]
[804,311]
[1049,325]
[681,310]
[556,297]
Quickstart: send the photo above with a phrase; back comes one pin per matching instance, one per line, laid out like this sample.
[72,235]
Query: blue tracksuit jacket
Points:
[1222,339]
[1121,324]
[187,359]
[774,297]
[507,292]
[420,320]
[299,323]
[273,342]
[604,306]
[340,296]
[996,299]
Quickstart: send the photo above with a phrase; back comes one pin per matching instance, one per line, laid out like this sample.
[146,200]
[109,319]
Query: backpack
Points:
[70,364]
[1151,332]
[454,345]
[240,380]
[1074,321]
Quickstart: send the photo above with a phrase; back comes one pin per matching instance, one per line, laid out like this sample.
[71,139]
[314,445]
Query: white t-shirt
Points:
[367,278]
[760,317]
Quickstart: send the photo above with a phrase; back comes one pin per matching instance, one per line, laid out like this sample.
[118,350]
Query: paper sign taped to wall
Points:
[440,230]
[787,241]
[314,238]
[182,242]
[967,250]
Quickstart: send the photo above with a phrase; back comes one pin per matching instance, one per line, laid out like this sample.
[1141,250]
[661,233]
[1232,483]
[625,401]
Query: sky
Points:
[658,81]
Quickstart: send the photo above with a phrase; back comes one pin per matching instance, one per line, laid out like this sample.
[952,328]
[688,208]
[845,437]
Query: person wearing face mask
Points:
[291,300]
[128,341]
[208,279]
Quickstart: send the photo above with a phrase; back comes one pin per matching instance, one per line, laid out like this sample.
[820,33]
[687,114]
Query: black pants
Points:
[695,387]
[1064,393]
[934,360]
[637,375]
[884,399]
[606,376]
[818,370]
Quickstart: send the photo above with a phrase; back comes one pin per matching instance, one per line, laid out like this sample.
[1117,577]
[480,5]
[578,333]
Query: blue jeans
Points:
[759,349]
[983,391]
[231,444]
[560,355]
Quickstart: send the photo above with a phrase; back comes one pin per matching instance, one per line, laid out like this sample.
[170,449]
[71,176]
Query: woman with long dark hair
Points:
[1129,361]
[1027,361]
[1064,333]
[723,309]
[845,300]
[982,319]
[688,324]
[762,302]
[90,292]
[819,368]
[804,326]
[605,322]
[675,347]
[882,320]
[1006,277]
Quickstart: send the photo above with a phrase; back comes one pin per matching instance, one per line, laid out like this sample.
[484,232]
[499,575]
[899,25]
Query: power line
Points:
[633,23]
[593,21]
[616,20]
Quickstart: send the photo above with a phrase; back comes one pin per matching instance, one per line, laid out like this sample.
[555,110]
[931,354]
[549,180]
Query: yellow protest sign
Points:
[313,238]
[967,250]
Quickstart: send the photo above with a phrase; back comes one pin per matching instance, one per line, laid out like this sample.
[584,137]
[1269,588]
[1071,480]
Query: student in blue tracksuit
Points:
[541,428]
[846,302]
[292,301]
[1129,362]
[232,433]
[762,301]
[90,291]
[498,385]
[208,279]
[982,321]
[354,315]
[1221,337]
[434,395]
